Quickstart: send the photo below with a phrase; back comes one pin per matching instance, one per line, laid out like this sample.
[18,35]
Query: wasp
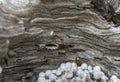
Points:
[78,61]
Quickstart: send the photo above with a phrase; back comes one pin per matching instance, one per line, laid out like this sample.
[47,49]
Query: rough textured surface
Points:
[110,9]
[57,32]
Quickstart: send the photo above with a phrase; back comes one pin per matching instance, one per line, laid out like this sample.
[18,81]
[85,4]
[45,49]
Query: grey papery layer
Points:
[20,7]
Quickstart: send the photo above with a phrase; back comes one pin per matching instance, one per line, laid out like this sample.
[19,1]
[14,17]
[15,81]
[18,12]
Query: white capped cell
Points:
[81,74]
[84,66]
[97,68]
[48,72]
[90,69]
[63,67]
[59,80]
[52,77]
[98,74]
[64,79]
[76,79]
[41,74]
[68,66]
[104,78]
[59,72]
[47,80]
[74,67]
[68,75]
[54,71]
[41,79]
[113,77]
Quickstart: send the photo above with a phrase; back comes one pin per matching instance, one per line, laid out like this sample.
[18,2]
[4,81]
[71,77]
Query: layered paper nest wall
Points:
[55,32]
